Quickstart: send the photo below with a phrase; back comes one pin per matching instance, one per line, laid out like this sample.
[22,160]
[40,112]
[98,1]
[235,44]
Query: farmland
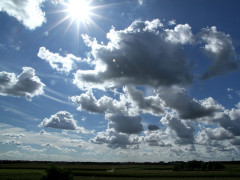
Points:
[36,170]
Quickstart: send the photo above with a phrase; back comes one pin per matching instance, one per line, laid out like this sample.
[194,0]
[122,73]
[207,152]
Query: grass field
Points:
[100,171]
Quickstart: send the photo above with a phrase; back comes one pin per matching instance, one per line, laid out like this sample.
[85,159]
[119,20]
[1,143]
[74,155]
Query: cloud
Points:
[172,22]
[60,120]
[59,148]
[137,55]
[13,135]
[13,142]
[105,104]
[57,62]
[125,124]
[151,104]
[187,108]
[217,134]
[220,47]
[230,121]
[26,84]
[183,129]
[156,138]
[28,12]
[116,140]
[180,34]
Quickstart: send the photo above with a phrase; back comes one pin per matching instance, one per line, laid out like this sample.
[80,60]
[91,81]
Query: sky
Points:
[119,81]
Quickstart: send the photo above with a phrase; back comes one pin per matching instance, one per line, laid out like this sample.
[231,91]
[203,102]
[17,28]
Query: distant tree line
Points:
[198,166]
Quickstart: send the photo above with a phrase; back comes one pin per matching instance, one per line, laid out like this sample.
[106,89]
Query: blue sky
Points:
[107,80]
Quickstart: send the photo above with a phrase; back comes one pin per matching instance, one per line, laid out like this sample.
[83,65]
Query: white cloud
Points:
[220,47]
[116,140]
[182,33]
[13,135]
[137,55]
[27,12]
[57,62]
[26,84]
[105,104]
[217,133]
[60,120]
[172,22]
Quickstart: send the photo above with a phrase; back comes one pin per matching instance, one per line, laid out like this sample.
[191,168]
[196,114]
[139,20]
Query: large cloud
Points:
[137,55]
[26,11]
[57,62]
[126,124]
[187,108]
[220,47]
[60,120]
[26,84]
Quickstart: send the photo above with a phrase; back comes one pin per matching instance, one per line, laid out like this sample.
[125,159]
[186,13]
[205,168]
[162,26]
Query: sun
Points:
[79,10]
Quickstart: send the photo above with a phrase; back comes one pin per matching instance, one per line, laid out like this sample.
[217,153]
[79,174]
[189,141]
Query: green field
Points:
[36,170]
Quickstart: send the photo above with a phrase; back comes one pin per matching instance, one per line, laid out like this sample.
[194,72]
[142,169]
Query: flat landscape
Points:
[37,170]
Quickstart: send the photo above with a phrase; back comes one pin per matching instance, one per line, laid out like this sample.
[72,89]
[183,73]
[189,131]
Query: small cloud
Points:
[57,62]
[13,142]
[26,84]
[172,22]
[60,120]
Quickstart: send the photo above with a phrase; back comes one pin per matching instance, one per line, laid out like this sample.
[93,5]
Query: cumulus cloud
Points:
[183,129]
[125,124]
[57,62]
[137,55]
[151,104]
[156,137]
[105,104]
[26,84]
[115,140]
[27,12]
[187,108]
[60,120]
[217,134]
[180,34]
[220,47]
[230,121]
